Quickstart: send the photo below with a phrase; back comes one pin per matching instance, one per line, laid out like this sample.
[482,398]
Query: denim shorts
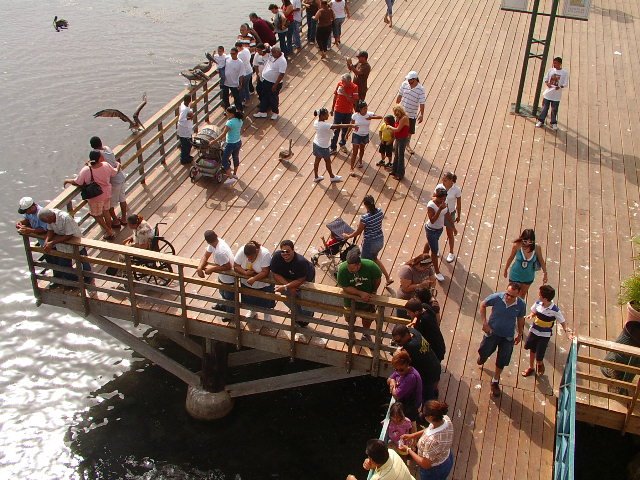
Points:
[371,248]
[321,152]
[503,344]
[433,236]
[359,139]
[451,224]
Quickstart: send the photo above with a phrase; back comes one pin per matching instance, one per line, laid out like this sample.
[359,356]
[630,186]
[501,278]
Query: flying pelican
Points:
[135,125]
[60,24]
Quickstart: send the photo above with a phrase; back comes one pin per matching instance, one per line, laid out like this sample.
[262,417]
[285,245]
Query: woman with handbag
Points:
[95,180]
[528,260]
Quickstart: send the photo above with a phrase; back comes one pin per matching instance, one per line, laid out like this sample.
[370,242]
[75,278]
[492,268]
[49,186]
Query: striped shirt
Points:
[373,224]
[412,98]
[545,318]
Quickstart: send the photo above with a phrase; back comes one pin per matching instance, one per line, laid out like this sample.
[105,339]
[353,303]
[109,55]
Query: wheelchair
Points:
[161,245]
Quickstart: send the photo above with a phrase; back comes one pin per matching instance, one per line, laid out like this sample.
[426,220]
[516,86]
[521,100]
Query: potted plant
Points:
[630,291]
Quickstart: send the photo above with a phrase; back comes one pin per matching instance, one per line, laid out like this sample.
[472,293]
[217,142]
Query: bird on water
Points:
[60,23]
[135,125]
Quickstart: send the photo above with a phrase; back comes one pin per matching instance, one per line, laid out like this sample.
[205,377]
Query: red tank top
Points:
[403,133]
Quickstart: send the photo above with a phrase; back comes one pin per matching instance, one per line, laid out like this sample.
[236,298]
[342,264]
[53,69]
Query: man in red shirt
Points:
[262,28]
[345,97]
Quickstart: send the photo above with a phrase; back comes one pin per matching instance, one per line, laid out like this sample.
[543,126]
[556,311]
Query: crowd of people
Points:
[421,348]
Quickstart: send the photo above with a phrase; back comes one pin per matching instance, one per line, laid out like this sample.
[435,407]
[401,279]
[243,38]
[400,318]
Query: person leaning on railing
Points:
[30,224]
[385,462]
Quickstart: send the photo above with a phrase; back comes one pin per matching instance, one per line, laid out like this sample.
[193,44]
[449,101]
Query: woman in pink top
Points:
[101,173]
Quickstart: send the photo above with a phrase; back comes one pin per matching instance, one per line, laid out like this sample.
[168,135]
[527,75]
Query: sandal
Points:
[528,372]
[389,282]
[540,369]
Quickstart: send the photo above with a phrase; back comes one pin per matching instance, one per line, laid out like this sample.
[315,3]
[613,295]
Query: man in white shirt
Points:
[272,74]
[412,97]
[185,130]
[233,76]
[556,79]
[223,259]
[245,56]
[259,60]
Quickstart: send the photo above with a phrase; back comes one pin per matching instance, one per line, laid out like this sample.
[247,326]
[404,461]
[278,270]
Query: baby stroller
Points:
[336,248]
[208,162]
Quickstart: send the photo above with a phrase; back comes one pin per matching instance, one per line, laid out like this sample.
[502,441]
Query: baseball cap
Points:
[25,204]
[440,192]
[411,75]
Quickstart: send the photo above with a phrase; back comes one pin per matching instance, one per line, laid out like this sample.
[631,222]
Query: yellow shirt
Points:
[386,134]
[393,469]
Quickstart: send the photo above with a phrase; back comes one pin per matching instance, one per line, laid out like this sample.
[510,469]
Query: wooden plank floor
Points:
[578,187]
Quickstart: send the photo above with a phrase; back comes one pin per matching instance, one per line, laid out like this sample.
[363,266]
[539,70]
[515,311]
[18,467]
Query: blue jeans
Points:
[231,150]
[283,39]
[297,42]
[227,295]
[67,262]
[340,118]
[545,109]
[270,100]
[312,25]
[244,91]
[221,75]
[337,27]
[390,7]
[399,147]
[185,150]
[439,472]
[259,301]
[433,237]
[371,248]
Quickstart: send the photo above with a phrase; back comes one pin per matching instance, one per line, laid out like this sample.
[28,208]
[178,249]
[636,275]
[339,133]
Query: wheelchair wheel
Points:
[219,177]
[193,174]
[167,248]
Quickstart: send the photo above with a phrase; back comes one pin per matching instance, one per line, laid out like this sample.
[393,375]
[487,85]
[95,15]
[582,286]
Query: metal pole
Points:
[527,53]
[545,55]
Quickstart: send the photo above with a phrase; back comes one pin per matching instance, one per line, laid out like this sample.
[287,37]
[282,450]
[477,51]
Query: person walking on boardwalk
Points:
[341,12]
[360,277]
[433,450]
[556,79]
[454,205]
[118,184]
[507,313]
[528,259]
[543,316]
[273,72]
[185,129]
[437,216]
[412,97]
[324,16]
[388,16]
[345,97]
[321,143]
[385,463]
[370,226]
[219,251]
[361,71]
[311,7]
[361,119]
[233,75]
[233,142]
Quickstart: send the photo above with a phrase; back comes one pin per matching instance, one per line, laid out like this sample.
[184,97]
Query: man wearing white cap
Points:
[412,97]
[30,224]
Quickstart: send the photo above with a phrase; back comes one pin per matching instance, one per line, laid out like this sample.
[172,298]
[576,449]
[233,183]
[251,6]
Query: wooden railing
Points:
[191,298]
[617,391]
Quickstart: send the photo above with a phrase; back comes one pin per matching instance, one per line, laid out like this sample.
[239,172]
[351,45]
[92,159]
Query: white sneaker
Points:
[451,257]
[440,277]
[251,314]
[275,116]
[336,179]
[234,176]
[319,178]
[539,124]
[230,181]
[267,317]
[302,338]
[554,126]
[260,115]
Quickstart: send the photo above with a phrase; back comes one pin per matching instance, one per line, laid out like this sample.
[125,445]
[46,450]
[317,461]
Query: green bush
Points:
[630,288]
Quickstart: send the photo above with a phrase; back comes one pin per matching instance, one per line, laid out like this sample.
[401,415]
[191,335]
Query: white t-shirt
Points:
[362,122]
[233,71]
[222,255]
[262,260]
[452,196]
[221,60]
[185,125]
[297,14]
[339,8]
[412,98]
[440,221]
[555,77]
[273,67]
[245,56]
[323,134]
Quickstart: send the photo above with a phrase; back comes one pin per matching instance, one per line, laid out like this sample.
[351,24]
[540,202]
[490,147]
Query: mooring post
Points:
[214,365]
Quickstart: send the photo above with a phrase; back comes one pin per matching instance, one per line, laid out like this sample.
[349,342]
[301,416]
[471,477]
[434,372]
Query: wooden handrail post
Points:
[236,302]
[206,102]
[161,143]
[351,320]
[631,408]
[375,362]
[183,301]
[26,240]
[132,293]
[80,274]
[143,180]
[293,319]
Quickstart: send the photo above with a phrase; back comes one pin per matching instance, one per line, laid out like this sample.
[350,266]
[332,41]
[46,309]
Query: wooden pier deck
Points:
[578,187]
